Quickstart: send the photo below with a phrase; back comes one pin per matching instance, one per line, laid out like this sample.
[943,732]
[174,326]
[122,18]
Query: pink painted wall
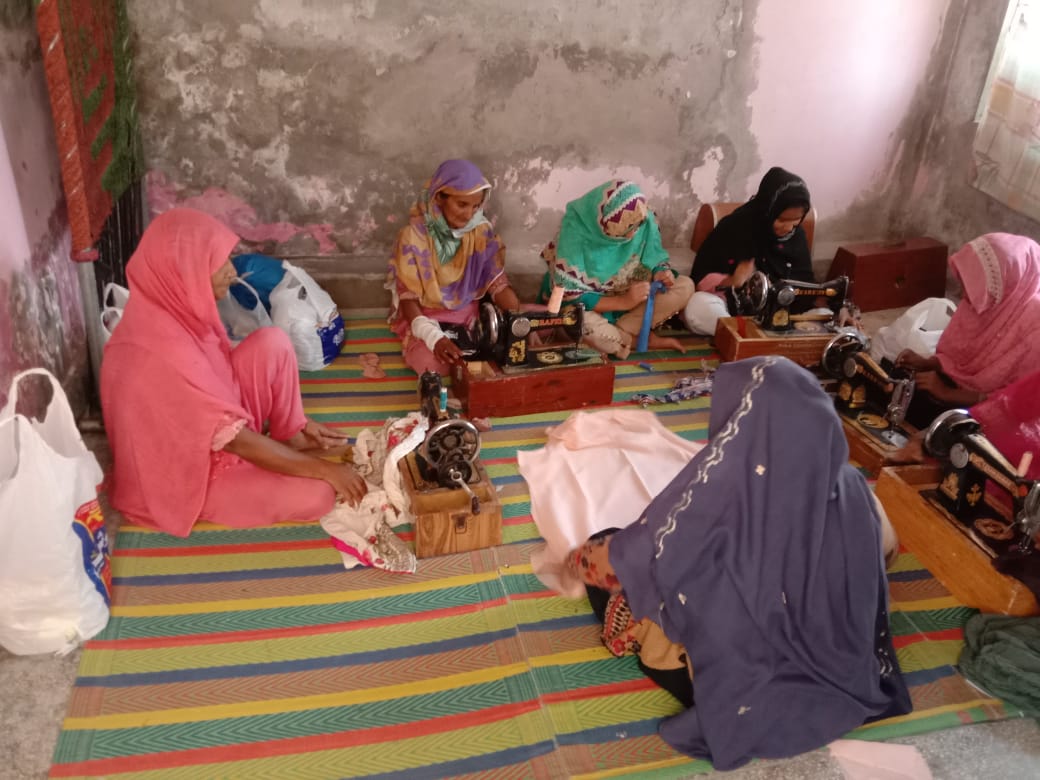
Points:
[834,89]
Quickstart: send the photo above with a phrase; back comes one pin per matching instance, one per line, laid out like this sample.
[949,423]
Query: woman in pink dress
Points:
[198,430]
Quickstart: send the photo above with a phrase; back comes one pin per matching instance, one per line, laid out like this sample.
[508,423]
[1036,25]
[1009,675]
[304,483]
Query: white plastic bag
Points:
[113,301]
[55,577]
[309,315]
[918,328]
[240,321]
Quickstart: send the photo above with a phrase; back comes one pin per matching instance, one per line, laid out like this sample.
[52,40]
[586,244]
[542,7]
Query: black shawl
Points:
[748,233]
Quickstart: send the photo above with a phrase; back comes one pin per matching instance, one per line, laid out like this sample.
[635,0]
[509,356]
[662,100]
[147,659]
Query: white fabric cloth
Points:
[599,470]
[703,311]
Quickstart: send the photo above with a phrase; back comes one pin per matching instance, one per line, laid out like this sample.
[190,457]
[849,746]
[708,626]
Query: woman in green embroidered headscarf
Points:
[445,260]
[606,255]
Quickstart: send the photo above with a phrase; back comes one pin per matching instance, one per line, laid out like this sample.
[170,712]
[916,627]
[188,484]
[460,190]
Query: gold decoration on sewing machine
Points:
[974,494]
[951,485]
[845,391]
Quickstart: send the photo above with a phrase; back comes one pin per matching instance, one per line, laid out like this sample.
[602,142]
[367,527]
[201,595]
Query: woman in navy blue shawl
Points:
[763,558]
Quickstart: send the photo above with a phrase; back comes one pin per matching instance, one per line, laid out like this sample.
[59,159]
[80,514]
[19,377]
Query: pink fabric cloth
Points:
[598,470]
[991,340]
[168,381]
[1010,419]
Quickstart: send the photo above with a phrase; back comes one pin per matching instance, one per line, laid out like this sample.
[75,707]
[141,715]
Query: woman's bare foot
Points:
[665,342]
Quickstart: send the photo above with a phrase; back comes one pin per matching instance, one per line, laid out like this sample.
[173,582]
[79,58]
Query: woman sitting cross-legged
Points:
[765,234]
[445,260]
[753,587]
[198,430]
[607,255]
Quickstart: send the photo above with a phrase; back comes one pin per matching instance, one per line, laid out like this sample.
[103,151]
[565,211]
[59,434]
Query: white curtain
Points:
[1007,142]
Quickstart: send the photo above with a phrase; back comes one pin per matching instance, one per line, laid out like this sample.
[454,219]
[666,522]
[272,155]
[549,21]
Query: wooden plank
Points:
[937,540]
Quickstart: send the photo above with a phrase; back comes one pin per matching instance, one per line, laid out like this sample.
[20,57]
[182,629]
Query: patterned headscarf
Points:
[608,238]
[992,338]
[441,267]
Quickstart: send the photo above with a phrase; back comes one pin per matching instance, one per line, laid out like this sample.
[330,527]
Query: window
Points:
[1007,141]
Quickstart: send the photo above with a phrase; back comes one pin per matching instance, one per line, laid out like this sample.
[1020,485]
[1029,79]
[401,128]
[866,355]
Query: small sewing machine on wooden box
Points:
[514,365]
[871,399]
[961,515]
[768,325]
[455,505]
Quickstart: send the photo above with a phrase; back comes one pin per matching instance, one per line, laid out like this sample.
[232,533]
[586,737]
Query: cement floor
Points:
[38,689]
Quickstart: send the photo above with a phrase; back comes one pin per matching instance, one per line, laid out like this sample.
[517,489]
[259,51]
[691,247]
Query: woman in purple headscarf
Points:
[445,260]
[757,578]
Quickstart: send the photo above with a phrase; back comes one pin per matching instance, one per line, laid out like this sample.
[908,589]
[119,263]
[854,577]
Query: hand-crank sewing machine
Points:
[455,505]
[523,362]
[871,397]
[773,302]
[967,516]
[771,318]
[970,463]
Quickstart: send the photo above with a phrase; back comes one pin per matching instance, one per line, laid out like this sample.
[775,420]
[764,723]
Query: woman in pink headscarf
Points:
[186,415]
[988,358]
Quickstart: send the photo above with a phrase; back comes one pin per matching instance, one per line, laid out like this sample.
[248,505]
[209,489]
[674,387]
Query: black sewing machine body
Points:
[524,340]
[775,303]
[871,393]
[971,466]
[448,454]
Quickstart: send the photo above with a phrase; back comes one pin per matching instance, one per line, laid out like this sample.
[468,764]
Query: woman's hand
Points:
[915,362]
[665,277]
[348,484]
[317,436]
[742,273]
[637,293]
[938,387]
[446,351]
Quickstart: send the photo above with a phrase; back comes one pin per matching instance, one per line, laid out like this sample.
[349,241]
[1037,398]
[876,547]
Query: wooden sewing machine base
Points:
[944,546]
[444,521]
[737,338]
[865,447]
[487,391]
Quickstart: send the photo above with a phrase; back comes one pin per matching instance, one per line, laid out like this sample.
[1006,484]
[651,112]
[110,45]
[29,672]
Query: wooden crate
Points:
[890,275]
[867,450]
[487,391]
[444,522]
[944,547]
[737,338]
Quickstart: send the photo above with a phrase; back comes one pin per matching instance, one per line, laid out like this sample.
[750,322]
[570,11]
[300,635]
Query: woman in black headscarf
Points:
[764,234]
[758,575]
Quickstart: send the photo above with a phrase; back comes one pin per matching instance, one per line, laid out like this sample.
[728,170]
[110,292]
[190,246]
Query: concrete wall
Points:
[941,196]
[41,315]
[312,125]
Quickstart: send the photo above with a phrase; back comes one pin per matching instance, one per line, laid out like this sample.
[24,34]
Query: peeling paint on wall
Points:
[333,114]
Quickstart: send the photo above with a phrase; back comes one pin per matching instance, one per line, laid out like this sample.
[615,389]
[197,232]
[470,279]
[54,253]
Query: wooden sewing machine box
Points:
[867,450]
[890,275]
[938,541]
[737,338]
[444,522]
[487,391]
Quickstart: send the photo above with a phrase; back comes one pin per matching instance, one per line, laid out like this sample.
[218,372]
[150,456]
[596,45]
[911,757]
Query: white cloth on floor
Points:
[864,760]
[598,470]
[363,535]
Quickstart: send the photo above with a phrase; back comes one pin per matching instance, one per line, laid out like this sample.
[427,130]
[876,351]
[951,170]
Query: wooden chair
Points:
[710,213]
